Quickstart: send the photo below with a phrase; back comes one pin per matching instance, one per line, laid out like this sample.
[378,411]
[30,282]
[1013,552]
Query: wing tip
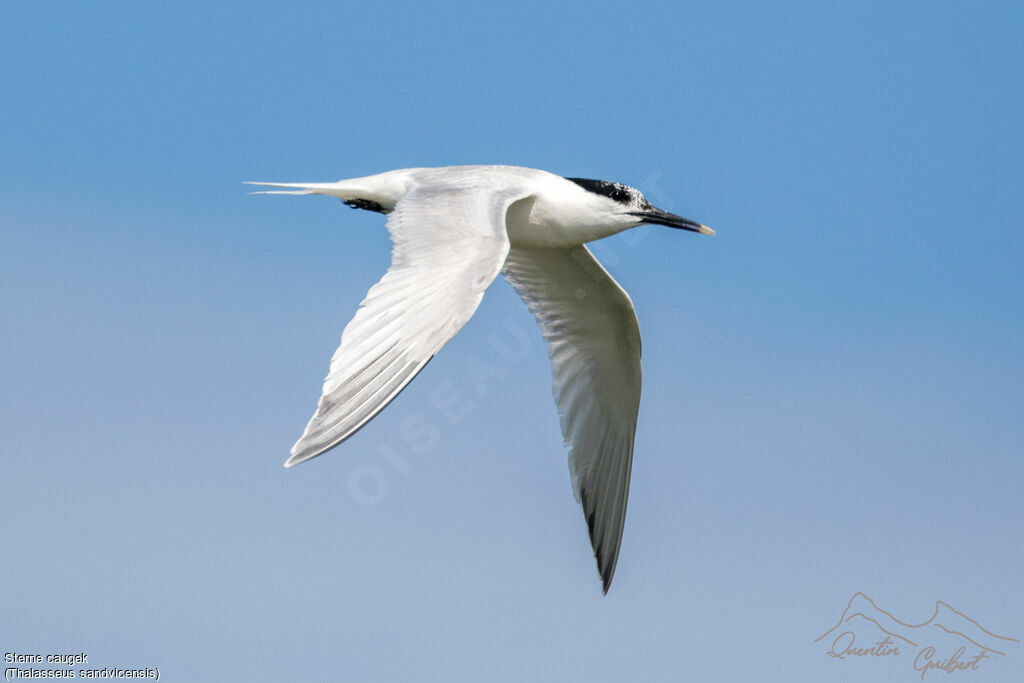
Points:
[606,572]
[307,448]
[605,565]
[300,454]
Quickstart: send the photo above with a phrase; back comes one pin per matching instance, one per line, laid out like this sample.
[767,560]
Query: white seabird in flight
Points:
[453,230]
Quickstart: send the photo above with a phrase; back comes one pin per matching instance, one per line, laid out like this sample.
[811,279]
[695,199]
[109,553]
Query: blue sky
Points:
[832,391]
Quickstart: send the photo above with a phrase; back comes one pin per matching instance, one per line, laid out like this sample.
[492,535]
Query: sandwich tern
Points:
[453,230]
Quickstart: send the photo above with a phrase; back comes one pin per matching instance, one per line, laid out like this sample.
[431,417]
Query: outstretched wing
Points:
[594,341]
[449,244]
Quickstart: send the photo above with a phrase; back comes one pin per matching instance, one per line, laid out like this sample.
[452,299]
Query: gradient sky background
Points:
[832,394]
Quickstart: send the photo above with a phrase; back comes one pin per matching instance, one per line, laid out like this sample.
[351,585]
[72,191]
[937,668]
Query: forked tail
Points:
[340,190]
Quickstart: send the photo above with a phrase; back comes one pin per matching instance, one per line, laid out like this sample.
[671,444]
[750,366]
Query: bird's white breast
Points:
[558,214]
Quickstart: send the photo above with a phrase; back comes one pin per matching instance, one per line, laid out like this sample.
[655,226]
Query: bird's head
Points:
[626,205]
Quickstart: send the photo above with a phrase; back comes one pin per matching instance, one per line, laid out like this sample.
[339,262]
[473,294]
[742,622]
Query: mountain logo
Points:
[949,641]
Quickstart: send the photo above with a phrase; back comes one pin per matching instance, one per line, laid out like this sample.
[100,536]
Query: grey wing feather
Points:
[449,244]
[591,329]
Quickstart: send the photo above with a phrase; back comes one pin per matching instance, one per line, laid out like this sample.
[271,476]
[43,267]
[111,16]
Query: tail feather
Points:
[376,192]
[339,189]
